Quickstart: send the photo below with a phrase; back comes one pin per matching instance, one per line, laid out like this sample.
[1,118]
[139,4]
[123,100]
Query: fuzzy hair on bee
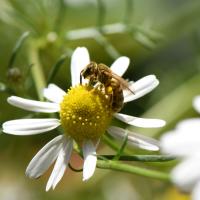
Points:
[106,80]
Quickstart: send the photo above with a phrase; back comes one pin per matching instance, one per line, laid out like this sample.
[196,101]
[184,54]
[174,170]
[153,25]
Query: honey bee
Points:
[101,76]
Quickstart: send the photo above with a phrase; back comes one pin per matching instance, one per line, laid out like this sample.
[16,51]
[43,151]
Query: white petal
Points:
[120,65]
[61,164]
[140,122]
[196,191]
[44,158]
[54,93]
[187,173]
[180,142]
[196,103]
[80,58]
[31,105]
[191,125]
[29,126]
[140,88]
[135,139]
[90,159]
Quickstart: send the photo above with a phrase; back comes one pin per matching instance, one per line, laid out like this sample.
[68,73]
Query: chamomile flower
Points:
[184,142]
[85,115]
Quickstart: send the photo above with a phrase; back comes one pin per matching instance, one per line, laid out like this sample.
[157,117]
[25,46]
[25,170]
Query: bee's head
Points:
[89,70]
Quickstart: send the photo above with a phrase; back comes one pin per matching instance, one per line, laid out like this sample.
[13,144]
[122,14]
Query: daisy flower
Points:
[184,142]
[85,115]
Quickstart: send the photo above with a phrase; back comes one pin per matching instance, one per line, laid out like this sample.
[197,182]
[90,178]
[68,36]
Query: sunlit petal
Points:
[35,106]
[61,164]
[134,139]
[29,126]
[120,65]
[140,88]
[90,159]
[80,58]
[54,93]
[44,158]
[140,122]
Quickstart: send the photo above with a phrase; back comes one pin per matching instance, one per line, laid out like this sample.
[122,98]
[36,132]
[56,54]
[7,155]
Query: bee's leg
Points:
[111,97]
[92,81]
[102,87]
[111,100]
[81,79]
[99,86]
[109,93]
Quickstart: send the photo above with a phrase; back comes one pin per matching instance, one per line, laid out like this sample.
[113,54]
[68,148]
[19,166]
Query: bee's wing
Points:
[134,139]
[123,82]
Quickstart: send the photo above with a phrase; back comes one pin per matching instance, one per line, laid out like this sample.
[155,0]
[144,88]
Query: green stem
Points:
[121,149]
[114,145]
[128,11]
[109,48]
[101,14]
[114,165]
[141,158]
[36,70]
[110,29]
[74,169]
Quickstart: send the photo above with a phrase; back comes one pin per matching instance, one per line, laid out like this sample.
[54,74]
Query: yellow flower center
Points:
[85,113]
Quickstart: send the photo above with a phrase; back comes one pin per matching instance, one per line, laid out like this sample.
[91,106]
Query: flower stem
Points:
[115,146]
[36,70]
[115,165]
[141,158]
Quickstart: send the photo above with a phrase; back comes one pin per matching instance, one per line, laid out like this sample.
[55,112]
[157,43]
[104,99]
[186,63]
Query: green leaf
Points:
[118,166]
[16,48]
[121,150]
[55,68]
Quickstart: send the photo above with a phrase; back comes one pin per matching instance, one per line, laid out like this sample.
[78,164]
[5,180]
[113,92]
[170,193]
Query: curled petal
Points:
[120,65]
[140,122]
[54,93]
[140,88]
[44,158]
[31,105]
[90,159]
[61,164]
[29,126]
[135,139]
[80,58]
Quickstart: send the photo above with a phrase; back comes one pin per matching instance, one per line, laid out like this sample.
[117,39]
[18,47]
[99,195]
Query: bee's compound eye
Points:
[88,70]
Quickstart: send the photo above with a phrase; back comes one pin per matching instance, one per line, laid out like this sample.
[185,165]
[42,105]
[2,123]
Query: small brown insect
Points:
[100,75]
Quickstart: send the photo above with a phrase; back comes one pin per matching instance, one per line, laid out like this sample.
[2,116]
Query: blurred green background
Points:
[160,37]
